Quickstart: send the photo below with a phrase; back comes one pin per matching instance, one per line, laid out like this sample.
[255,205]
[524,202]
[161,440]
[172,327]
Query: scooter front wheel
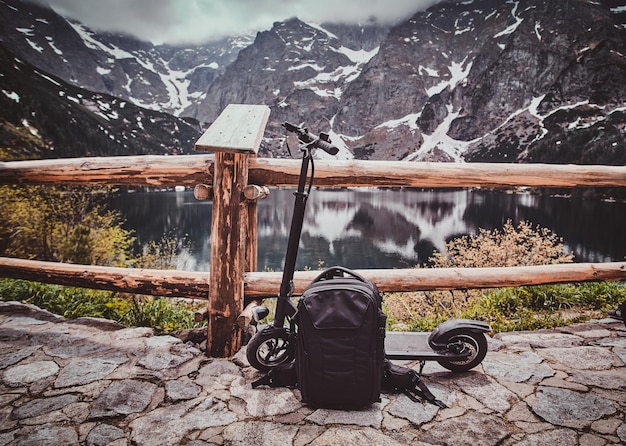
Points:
[474,343]
[268,349]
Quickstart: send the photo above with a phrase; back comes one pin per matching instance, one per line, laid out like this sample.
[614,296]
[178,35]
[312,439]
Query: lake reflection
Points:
[365,228]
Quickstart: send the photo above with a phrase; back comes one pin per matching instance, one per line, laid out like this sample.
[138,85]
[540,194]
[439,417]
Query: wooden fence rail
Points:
[190,170]
[189,284]
[233,177]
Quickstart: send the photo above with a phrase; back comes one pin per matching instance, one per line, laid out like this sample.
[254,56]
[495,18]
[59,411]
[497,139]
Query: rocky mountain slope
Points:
[45,117]
[164,77]
[481,80]
[476,80]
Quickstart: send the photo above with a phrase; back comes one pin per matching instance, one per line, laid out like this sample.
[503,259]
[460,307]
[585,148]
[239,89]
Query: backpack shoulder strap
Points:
[405,380]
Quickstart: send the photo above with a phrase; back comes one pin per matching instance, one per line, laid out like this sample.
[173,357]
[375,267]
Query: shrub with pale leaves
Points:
[511,246]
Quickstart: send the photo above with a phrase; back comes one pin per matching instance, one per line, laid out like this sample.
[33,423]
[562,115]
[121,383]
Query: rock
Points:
[26,314]
[487,391]
[265,401]
[420,413]
[167,425]
[66,345]
[587,331]
[471,429]
[416,413]
[85,371]
[43,406]
[606,379]
[98,323]
[541,340]
[259,432]
[21,375]
[560,437]
[621,432]
[103,435]
[15,356]
[582,357]
[123,398]
[47,435]
[193,335]
[166,355]
[372,416]
[178,390]
[563,407]
[337,436]
[522,367]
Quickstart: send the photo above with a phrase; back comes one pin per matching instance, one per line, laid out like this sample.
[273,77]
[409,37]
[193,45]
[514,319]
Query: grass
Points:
[506,309]
[164,315]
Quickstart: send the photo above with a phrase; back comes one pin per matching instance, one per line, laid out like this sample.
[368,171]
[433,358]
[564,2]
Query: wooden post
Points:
[234,136]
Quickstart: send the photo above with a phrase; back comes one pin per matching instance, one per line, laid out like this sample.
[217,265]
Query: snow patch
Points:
[358,57]
[537,28]
[513,27]
[409,120]
[458,74]
[12,95]
[53,46]
[440,140]
[26,31]
[30,128]
[34,46]
[429,71]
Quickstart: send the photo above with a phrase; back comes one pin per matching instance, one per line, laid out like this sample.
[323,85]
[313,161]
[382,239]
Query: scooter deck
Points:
[408,345]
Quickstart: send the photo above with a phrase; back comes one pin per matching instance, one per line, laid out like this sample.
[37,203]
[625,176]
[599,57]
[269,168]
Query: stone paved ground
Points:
[93,382]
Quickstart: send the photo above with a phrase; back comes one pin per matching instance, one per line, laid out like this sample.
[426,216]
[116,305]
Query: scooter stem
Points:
[284,307]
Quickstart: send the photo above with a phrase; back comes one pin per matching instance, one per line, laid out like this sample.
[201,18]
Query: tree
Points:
[64,224]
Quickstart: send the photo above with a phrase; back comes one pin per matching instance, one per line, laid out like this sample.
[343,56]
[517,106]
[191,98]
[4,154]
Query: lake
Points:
[370,228]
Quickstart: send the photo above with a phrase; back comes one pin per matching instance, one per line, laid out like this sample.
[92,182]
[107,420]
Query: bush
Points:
[512,246]
[62,224]
[522,308]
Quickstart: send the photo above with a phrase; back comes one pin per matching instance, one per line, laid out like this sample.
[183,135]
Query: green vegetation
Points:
[507,309]
[70,224]
[62,224]
[164,315]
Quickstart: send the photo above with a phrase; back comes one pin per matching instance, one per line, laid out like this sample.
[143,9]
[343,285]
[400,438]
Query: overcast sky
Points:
[184,21]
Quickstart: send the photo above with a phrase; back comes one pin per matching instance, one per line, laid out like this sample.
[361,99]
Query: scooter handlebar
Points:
[309,138]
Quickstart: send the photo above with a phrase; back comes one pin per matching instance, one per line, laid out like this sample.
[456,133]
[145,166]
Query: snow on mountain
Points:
[45,117]
[163,78]
[473,80]
[486,80]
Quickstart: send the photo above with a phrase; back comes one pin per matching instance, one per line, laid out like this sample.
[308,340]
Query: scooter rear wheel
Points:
[268,350]
[476,343]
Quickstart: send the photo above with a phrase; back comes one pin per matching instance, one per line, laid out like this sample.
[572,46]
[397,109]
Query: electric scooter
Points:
[457,344]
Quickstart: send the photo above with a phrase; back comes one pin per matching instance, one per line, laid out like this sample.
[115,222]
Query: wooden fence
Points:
[235,179]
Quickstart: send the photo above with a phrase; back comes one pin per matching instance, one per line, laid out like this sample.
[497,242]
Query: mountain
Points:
[481,80]
[45,117]
[164,77]
[300,70]
[472,80]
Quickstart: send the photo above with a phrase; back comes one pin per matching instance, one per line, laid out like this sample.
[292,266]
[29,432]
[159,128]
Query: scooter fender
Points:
[441,335]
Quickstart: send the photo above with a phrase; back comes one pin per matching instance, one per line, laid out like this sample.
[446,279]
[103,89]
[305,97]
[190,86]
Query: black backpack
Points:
[340,341]
[340,355]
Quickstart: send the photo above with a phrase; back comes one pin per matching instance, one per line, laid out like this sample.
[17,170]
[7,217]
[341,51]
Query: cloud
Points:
[185,21]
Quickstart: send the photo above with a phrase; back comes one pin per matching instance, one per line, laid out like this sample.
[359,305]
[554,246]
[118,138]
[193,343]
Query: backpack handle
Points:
[338,271]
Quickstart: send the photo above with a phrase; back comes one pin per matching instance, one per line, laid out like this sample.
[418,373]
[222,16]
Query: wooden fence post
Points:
[234,136]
